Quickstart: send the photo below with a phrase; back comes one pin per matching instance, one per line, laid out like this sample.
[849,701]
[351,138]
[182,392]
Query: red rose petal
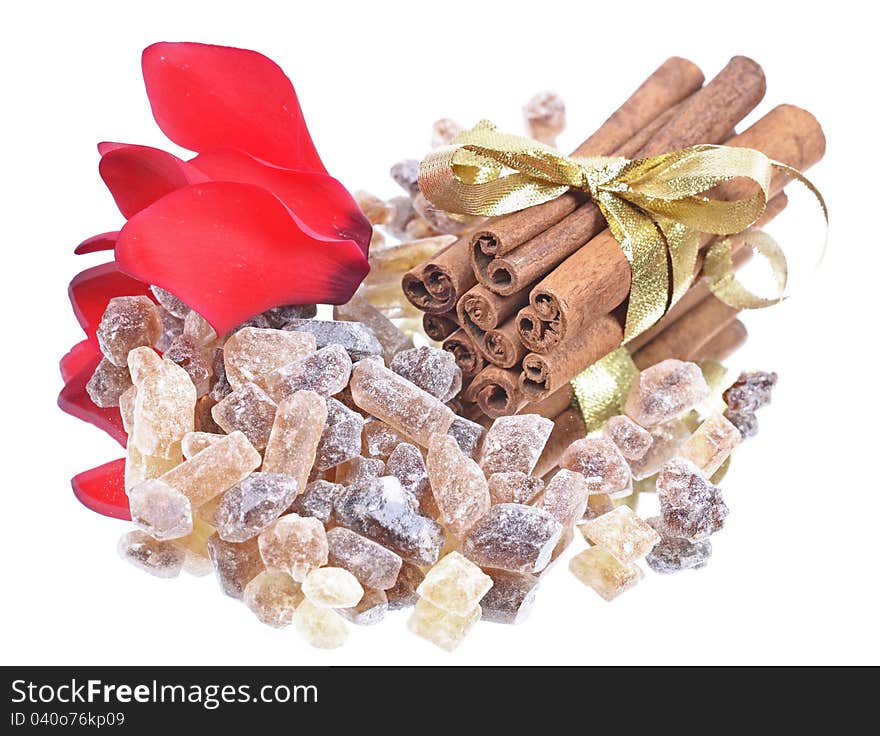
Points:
[318,201]
[75,400]
[102,489]
[77,358]
[92,289]
[139,175]
[104,241]
[232,250]
[206,97]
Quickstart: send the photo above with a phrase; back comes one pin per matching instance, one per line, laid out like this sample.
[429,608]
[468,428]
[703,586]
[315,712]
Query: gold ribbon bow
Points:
[653,206]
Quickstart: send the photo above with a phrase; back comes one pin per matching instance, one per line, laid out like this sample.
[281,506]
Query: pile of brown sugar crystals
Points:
[316,468]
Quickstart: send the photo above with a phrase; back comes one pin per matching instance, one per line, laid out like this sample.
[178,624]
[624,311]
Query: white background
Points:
[794,575]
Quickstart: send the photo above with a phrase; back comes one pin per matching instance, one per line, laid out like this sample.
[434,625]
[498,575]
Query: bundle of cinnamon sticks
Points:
[526,301]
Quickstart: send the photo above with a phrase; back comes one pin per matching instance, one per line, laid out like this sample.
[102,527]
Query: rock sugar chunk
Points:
[690,505]
[459,487]
[214,470]
[515,443]
[601,463]
[162,559]
[198,328]
[273,597]
[403,593]
[249,507]
[455,584]
[469,435]
[565,497]
[235,564]
[321,627]
[194,442]
[398,402]
[604,573]
[631,439]
[164,407]
[598,504]
[172,328]
[380,439]
[407,465]
[514,487]
[204,422]
[160,509]
[280,317]
[380,509]
[129,322]
[544,115]
[711,444]
[406,174]
[372,564]
[341,438]
[127,401]
[444,629]
[332,587]
[325,372]
[193,358]
[622,533]
[375,209]
[666,439]
[511,597]
[513,537]
[674,554]
[432,370]
[370,610]
[252,353]
[108,383]
[664,391]
[140,467]
[220,386]
[294,544]
[171,303]
[355,337]
[390,337]
[317,500]
[750,392]
[359,470]
[247,409]
[296,433]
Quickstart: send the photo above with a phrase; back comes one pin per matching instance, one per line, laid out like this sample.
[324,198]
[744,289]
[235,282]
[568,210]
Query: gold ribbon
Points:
[653,206]
[601,389]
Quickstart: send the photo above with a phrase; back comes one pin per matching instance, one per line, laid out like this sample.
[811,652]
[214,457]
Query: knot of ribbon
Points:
[655,207]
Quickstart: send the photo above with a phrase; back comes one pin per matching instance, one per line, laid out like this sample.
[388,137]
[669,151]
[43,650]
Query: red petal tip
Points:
[102,489]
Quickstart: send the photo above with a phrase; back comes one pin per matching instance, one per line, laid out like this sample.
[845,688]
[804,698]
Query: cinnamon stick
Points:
[704,117]
[673,81]
[435,286]
[724,344]
[497,391]
[544,374]
[467,357]
[684,337]
[553,405]
[487,310]
[517,268]
[439,326]
[503,346]
[597,278]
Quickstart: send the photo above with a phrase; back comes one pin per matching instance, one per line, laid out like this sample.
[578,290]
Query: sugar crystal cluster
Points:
[321,470]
